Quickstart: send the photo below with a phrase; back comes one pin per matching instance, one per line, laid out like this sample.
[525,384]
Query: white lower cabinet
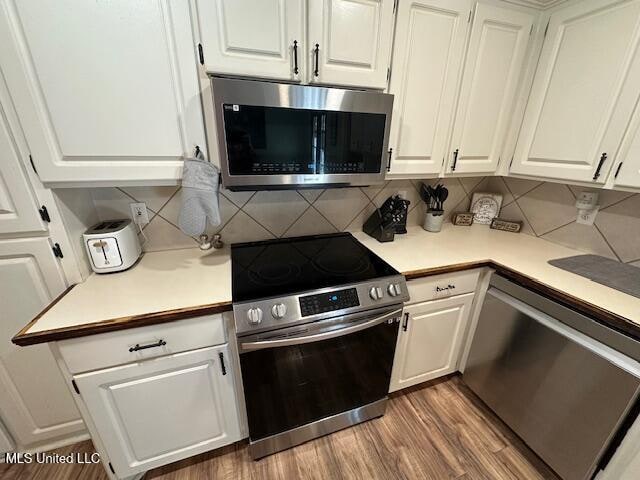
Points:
[161,410]
[430,340]
[35,404]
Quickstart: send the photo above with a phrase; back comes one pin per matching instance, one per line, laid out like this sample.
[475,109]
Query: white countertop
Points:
[180,279]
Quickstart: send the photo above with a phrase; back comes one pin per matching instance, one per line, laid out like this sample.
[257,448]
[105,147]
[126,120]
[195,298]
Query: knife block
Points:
[375,228]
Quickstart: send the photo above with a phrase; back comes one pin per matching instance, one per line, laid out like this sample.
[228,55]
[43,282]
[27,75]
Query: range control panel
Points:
[328,302]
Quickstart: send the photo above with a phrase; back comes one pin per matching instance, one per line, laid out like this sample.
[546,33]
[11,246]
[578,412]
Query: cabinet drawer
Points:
[108,349]
[442,286]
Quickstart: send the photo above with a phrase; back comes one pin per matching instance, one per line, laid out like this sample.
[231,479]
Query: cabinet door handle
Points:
[222,366]
[389,160]
[455,159]
[295,57]
[317,54]
[602,159]
[159,343]
[405,322]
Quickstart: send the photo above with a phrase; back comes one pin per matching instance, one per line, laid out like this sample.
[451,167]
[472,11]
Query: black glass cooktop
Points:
[275,268]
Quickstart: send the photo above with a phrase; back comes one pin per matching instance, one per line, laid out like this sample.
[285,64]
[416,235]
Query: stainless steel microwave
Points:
[273,135]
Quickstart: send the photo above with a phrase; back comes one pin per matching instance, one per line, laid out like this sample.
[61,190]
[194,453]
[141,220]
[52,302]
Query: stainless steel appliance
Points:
[317,322]
[563,382]
[274,135]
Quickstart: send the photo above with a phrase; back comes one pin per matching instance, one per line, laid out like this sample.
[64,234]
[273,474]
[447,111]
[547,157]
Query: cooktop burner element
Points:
[290,265]
[278,283]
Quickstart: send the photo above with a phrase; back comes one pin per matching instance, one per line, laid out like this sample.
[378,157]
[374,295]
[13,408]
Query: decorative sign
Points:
[506,225]
[464,219]
[485,207]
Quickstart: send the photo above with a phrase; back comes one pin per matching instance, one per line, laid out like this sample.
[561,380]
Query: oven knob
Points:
[279,310]
[394,289]
[254,315]
[375,293]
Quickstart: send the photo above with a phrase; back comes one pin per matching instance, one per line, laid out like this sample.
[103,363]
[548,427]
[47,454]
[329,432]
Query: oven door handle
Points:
[249,346]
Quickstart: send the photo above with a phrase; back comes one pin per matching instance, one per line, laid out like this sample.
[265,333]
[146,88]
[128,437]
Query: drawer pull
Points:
[222,365]
[449,288]
[405,323]
[159,343]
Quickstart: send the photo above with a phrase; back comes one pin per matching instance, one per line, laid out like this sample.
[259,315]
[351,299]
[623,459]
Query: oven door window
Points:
[289,141]
[286,387]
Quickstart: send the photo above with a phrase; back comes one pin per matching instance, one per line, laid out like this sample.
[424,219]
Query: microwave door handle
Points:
[249,346]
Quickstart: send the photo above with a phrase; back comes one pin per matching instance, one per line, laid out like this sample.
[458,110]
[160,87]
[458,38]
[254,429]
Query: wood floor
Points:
[437,430]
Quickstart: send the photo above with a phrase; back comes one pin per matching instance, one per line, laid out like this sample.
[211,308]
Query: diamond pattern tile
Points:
[469,183]
[620,224]
[239,199]
[513,212]
[394,187]
[494,185]
[548,206]
[583,237]
[310,223]
[243,228]
[341,205]
[519,186]
[112,203]
[276,210]
[162,235]
[154,197]
[311,194]
[546,209]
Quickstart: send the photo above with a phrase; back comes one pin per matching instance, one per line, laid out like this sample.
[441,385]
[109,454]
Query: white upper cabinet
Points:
[495,59]
[584,90]
[107,92]
[18,210]
[256,38]
[353,39]
[427,60]
[35,402]
[158,411]
[627,170]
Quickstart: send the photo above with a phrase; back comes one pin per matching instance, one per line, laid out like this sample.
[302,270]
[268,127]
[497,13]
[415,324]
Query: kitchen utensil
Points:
[444,194]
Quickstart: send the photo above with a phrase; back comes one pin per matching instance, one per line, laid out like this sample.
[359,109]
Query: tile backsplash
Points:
[546,209]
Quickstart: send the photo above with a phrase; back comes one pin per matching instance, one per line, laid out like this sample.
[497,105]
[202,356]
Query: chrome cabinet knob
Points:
[394,289]
[279,310]
[254,315]
[375,293]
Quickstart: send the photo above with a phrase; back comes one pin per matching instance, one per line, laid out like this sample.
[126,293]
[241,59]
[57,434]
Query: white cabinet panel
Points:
[427,59]
[628,174]
[35,403]
[159,411]
[253,37]
[583,91]
[354,39]
[495,58]
[431,344]
[18,210]
[106,91]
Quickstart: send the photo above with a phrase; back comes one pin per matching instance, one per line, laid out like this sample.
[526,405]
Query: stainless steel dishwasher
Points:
[563,382]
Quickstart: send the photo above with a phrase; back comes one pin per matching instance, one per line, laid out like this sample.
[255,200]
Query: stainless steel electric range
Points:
[317,322]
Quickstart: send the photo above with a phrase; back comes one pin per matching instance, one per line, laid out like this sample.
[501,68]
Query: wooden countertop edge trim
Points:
[601,315]
[122,323]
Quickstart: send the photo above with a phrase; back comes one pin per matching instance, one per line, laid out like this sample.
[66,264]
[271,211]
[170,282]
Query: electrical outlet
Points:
[587,217]
[139,213]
